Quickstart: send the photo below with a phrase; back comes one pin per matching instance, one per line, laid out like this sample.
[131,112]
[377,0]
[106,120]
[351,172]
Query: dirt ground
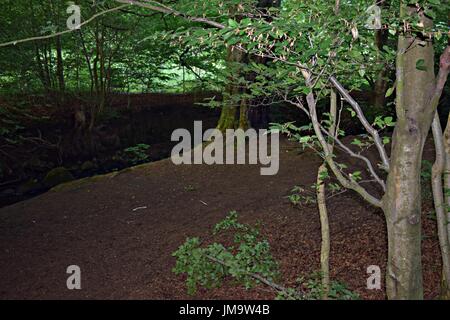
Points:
[126,254]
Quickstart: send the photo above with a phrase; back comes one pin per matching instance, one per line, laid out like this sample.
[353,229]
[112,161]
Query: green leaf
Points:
[233,23]
[420,65]
[390,91]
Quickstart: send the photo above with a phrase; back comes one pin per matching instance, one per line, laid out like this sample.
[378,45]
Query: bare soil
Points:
[126,254]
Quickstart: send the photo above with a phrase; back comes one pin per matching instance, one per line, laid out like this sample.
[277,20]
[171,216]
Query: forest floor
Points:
[125,253]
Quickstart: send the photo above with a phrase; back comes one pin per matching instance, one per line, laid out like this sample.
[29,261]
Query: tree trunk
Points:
[325,232]
[231,100]
[440,205]
[380,86]
[322,205]
[235,111]
[447,173]
[402,200]
[59,58]
[60,65]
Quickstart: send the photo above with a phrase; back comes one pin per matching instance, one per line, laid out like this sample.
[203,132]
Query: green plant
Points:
[313,287]
[300,196]
[248,261]
[137,153]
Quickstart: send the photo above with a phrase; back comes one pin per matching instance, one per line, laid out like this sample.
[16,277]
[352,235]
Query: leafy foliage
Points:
[247,262]
[136,154]
[337,291]
[208,266]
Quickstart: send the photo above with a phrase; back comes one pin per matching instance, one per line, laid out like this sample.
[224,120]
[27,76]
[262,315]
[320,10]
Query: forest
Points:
[225,149]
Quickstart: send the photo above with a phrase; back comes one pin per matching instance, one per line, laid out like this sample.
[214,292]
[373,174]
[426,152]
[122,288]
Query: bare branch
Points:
[167,10]
[344,181]
[95,16]
[358,156]
[371,130]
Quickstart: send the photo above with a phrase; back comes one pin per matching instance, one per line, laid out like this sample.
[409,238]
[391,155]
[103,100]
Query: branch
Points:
[95,16]
[371,130]
[345,182]
[358,156]
[140,14]
[438,196]
[167,10]
[441,79]
[258,277]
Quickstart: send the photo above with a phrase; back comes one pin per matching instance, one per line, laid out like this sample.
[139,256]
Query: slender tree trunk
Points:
[323,211]
[88,60]
[325,232]
[60,65]
[440,205]
[47,64]
[41,69]
[380,86]
[445,283]
[442,143]
[58,45]
[447,172]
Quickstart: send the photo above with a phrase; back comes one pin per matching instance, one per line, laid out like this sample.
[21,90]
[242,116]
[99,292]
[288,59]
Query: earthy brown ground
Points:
[126,254]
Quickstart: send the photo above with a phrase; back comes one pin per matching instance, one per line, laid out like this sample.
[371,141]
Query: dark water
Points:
[150,126]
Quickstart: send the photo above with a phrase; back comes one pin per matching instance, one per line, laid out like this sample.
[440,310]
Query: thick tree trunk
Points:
[402,208]
[402,201]
[237,112]
[231,100]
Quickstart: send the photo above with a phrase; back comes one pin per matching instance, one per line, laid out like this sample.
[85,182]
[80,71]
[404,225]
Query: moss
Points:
[87,166]
[57,176]
[72,185]
[76,184]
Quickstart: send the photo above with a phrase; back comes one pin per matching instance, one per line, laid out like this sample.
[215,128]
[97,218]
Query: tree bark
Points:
[441,169]
[325,232]
[231,100]
[236,112]
[440,205]
[380,86]
[322,205]
[402,200]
